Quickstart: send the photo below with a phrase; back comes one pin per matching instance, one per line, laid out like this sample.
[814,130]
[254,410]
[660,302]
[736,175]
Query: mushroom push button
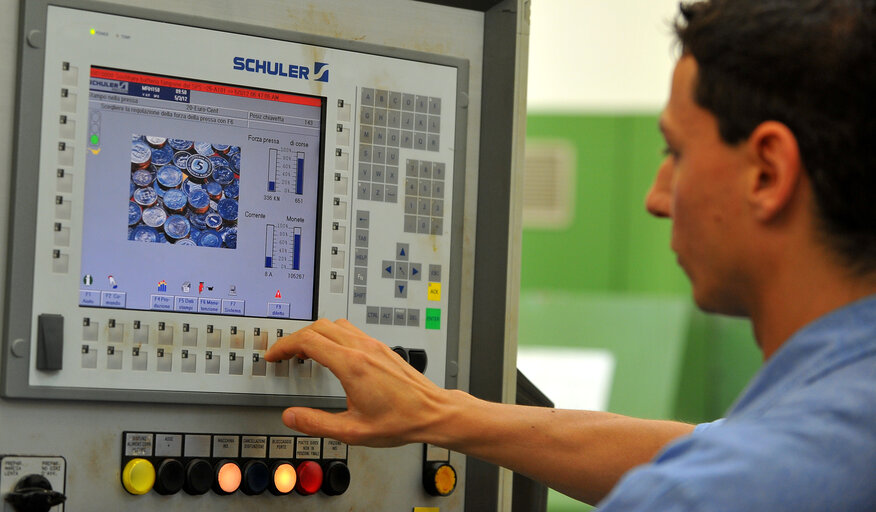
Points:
[138,477]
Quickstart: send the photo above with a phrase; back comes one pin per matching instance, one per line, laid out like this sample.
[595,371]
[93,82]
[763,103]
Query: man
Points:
[769,181]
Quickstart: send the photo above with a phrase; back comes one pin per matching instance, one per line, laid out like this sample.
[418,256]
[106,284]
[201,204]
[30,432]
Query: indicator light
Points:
[228,477]
[284,478]
[309,478]
[138,477]
[92,31]
[95,140]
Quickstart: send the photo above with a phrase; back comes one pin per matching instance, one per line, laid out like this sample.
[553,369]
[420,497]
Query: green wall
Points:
[612,243]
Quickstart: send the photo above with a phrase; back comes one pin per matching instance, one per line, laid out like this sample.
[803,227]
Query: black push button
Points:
[199,477]
[417,358]
[50,342]
[170,478]
[337,478]
[256,477]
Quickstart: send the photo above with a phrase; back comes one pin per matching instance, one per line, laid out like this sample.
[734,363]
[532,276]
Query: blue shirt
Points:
[801,437]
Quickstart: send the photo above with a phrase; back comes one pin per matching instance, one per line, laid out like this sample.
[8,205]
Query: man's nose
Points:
[658,201]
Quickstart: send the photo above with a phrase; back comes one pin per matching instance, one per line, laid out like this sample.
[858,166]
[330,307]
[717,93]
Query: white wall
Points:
[600,55]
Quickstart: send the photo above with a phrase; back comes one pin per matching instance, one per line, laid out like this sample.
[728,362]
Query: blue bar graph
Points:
[272,169]
[296,248]
[299,174]
[269,246]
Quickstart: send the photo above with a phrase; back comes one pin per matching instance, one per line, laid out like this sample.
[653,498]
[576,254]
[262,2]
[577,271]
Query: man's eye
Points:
[668,151]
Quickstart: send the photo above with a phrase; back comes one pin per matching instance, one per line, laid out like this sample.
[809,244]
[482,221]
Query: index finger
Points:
[309,343]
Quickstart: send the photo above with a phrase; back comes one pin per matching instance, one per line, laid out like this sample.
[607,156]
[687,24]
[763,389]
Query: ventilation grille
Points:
[548,184]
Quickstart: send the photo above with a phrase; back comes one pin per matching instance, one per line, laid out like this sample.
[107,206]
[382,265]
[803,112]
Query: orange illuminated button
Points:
[228,477]
[309,478]
[138,477]
[284,479]
[439,479]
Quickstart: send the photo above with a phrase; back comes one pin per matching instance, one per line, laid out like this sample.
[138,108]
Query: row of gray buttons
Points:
[392,316]
[400,101]
[213,363]
[163,334]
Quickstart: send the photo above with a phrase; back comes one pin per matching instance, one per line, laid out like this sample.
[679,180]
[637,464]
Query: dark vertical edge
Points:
[492,286]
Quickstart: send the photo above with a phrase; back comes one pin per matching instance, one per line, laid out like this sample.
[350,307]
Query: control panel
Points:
[185,183]
[188,212]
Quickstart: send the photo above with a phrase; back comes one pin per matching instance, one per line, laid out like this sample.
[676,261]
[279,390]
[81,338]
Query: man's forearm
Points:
[580,453]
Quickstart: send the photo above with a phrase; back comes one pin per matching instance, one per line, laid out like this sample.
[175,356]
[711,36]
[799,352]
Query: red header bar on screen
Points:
[177,83]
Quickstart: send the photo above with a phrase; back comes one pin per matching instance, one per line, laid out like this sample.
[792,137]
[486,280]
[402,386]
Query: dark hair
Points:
[811,65]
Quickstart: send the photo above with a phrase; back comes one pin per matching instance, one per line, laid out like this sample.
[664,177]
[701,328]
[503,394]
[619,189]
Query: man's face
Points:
[700,185]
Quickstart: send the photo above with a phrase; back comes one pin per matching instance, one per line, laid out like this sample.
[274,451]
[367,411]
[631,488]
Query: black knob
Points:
[337,478]
[199,477]
[418,359]
[402,352]
[170,477]
[34,493]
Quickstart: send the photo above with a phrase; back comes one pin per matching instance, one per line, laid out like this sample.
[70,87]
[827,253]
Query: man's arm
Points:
[580,453]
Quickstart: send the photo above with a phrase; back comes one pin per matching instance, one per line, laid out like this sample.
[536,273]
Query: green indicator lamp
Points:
[95,140]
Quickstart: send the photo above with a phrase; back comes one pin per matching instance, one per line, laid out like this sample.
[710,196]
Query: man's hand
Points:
[389,403]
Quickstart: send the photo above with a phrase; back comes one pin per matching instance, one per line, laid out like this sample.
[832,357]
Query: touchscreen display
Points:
[201,197]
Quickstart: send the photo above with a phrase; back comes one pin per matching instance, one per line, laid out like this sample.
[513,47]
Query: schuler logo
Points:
[268,67]
[320,71]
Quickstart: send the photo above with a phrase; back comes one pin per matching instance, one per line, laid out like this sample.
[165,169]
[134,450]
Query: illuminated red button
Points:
[284,478]
[228,477]
[309,478]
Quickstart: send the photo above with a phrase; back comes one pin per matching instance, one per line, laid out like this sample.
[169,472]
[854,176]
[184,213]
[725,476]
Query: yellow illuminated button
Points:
[138,477]
[434,291]
[285,478]
[445,480]
[427,509]
[229,477]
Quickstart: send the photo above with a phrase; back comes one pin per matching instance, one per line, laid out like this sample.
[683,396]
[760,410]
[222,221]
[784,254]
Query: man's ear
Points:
[776,169]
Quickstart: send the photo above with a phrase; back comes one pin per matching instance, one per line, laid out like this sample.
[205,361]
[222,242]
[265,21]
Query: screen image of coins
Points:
[183,192]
